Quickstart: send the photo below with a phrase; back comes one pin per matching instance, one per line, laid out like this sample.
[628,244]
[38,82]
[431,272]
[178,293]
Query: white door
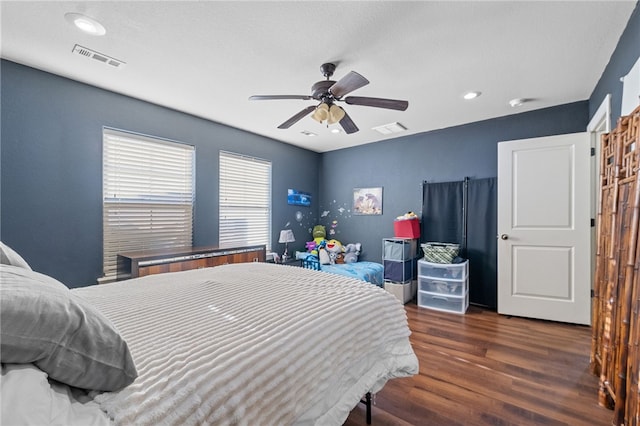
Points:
[544,228]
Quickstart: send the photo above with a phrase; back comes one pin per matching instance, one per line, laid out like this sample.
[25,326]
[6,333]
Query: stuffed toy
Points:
[407,216]
[323,254]
[319,233]
[351,252]
[334,248]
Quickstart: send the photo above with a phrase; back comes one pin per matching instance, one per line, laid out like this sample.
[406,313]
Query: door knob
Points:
[504,236]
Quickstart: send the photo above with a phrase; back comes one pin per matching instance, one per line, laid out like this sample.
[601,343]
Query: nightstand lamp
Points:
[286,237]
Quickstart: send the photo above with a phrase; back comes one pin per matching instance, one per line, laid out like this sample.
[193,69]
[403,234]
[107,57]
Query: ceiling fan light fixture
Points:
[327,92]
[321,113]
[335,114]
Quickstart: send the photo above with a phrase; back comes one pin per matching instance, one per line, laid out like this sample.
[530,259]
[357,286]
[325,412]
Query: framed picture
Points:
[367,201]
[298,198]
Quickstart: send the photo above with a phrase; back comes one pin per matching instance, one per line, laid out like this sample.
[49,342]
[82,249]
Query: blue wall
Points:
[51,165]
[401,165]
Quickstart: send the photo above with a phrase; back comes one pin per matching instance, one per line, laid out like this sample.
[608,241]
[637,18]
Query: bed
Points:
[371,272]
[244,344]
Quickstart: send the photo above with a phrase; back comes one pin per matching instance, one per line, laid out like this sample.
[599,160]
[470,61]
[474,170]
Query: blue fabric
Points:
[366,271]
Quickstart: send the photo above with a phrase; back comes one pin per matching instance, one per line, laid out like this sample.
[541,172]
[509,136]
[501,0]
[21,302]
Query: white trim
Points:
[600,123]
[601,117]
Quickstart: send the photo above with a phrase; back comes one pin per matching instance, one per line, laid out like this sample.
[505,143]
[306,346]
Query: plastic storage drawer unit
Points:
[443,286]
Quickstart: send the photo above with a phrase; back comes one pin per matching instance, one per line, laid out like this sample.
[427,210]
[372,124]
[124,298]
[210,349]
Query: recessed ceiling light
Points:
[471,95]
[85,24]
[517,102]
[335,130]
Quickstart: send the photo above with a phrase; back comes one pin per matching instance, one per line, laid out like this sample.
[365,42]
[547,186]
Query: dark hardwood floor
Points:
[482,368]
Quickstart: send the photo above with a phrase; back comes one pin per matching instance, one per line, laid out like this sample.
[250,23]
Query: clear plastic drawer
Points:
[456,271]
[439,302]
[444,287]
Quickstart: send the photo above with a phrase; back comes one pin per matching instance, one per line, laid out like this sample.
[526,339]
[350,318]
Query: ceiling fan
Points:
[328,92]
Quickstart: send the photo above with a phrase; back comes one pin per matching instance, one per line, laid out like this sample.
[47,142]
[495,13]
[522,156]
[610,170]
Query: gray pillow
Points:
[43,323]
[10,257]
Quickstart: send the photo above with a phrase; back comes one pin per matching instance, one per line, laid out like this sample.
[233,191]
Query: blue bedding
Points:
[366,271]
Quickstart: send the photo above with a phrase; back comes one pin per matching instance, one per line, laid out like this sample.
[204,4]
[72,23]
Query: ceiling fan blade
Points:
[348,125]
[348,84]
[377,102]
[293,120]
[278,97]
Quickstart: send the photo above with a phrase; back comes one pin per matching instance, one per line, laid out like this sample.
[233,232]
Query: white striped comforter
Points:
[252,344]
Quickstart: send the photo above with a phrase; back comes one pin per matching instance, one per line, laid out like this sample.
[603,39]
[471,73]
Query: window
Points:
[148,195]
[245,200]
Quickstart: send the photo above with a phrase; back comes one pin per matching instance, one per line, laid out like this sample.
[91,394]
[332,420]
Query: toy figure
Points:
[351,252]
[319,233]
[334,248]
[323,254]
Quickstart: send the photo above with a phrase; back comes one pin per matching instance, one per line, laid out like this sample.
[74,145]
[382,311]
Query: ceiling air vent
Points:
[387,129]
[88,53]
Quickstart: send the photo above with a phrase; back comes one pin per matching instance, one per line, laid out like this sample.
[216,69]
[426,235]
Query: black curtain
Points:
[442,209]
[465,212]
[482,245]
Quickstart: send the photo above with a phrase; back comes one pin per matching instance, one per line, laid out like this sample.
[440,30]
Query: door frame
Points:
[600,123]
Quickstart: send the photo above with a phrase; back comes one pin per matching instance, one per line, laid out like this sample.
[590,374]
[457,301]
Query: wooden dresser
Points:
[148,262]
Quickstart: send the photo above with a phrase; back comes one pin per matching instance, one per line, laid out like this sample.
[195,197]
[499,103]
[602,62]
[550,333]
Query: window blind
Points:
[148,195]
[245,200]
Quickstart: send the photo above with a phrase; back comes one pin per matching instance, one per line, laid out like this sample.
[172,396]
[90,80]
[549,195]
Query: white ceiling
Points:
[207,57]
